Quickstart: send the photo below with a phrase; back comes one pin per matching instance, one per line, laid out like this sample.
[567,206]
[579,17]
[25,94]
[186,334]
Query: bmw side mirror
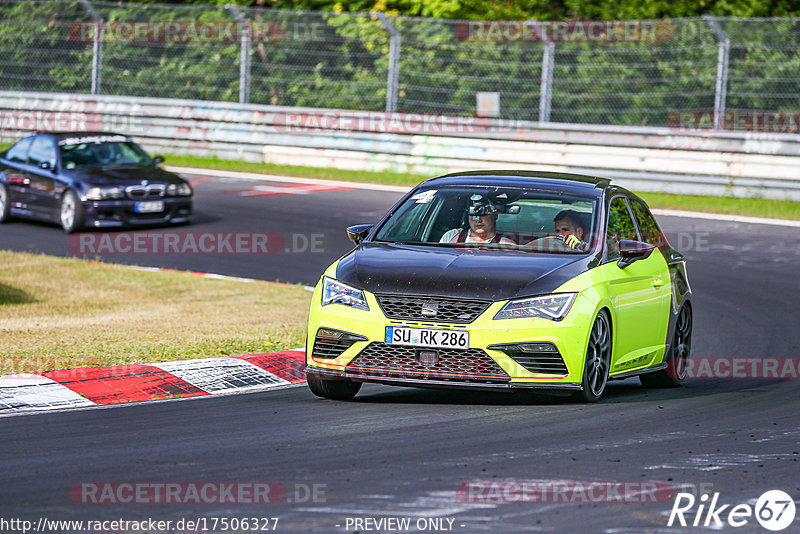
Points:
[630,251]
[359,232]
[158,159]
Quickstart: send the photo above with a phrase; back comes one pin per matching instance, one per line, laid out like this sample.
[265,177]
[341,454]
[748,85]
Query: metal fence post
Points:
[722,70]
[546,88]
[394,61]
[244,57]
[97,45]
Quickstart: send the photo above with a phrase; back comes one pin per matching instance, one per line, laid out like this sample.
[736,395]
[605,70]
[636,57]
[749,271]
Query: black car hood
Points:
[127,175]
[492,275]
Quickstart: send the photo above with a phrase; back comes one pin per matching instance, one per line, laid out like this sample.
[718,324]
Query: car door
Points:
[45,188]
[640,294]
[17,175]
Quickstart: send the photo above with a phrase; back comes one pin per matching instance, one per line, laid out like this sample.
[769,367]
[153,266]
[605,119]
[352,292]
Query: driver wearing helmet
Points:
[482,218]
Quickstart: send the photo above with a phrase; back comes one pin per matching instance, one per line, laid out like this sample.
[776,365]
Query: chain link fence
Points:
[642,73]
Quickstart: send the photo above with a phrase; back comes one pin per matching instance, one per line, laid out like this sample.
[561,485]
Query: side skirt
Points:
[637,372]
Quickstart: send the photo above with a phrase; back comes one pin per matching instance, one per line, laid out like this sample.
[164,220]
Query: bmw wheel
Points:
[71,212]
[333,389]
[5,204]
[598,360]
[675,372]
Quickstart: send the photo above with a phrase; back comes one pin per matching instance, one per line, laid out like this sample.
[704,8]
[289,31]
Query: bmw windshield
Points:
[486,218]
[101,151]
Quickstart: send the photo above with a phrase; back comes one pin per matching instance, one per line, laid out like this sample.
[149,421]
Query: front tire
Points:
[674,374]
[333,389]
[598,360]
[71,212]
[5,203]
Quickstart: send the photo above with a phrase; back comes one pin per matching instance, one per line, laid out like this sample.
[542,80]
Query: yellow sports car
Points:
[503,279]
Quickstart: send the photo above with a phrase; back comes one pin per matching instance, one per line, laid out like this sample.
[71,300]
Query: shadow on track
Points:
[629,391]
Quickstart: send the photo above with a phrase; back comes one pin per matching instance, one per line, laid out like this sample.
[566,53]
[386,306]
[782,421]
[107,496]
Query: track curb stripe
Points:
[34,393]
[101,386]
[288,365]
[196,171]
[123,383]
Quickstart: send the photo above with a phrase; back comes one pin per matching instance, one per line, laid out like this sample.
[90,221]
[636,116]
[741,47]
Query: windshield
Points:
[488,218]
[107,153]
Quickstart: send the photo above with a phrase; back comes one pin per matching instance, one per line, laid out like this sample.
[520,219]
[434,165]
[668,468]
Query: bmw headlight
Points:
[335,292]
[103,193]
[181,190]
[553,307]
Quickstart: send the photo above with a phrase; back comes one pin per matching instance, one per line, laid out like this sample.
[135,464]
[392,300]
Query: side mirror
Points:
[158,159]
[630,251]
[359,232]
[46,166]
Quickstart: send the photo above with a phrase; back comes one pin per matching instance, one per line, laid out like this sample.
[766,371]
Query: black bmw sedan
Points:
[89,179]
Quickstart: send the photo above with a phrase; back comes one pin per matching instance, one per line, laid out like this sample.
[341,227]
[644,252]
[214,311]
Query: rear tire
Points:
[598,360]
[333,389]
[71,212]
[5,203]
[674,374]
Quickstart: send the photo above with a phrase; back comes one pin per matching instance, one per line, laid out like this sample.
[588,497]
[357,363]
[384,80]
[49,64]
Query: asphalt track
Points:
[308,226]
[404,452]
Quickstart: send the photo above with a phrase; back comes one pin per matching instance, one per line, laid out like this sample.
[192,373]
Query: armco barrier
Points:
[644,159]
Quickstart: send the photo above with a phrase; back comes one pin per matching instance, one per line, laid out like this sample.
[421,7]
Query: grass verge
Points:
[320,173]
[59,313]
[754,207]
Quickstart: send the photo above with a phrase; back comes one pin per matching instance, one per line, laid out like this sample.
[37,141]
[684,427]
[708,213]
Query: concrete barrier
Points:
[644,159]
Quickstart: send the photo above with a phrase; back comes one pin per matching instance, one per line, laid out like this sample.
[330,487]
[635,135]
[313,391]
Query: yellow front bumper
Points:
[570,336]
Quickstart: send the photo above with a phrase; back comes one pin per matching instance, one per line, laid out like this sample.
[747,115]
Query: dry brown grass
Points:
[58,313]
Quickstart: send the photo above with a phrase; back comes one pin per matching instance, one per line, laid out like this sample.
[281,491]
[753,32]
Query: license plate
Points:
[153,206]
[427,337]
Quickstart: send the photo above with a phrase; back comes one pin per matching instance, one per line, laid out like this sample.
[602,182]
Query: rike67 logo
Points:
[774,510]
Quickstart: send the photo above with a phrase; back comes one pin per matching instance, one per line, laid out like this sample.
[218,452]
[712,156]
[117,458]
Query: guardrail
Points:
[643,159]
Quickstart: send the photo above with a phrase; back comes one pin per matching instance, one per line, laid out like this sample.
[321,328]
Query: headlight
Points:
[103,193]
[182,190]
[335,292]
[553,307]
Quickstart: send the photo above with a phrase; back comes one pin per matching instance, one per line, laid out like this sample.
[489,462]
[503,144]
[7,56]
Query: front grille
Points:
[392,360]
[330,348]
[447,310]
[144,192]
[541,363]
